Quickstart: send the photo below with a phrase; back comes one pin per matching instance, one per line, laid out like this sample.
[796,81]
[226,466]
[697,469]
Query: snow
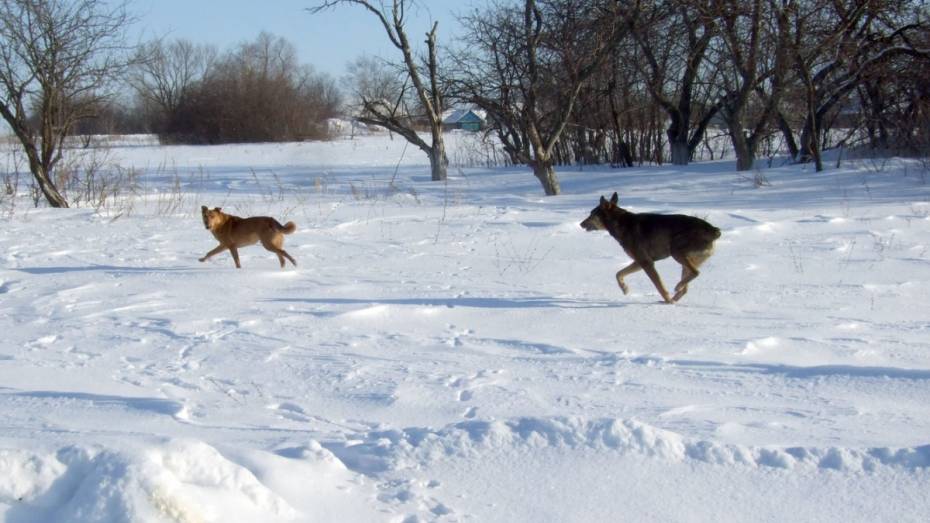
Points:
[460,351]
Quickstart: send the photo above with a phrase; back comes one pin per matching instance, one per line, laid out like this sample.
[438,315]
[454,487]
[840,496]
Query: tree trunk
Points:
[677,133]
[745,153]
[818,158]
[681,153]
[814,146]
[547,177]
[788,134]
[438,161]
[623,154]
[744,161]
[51,193]
[513,153]
[810,143]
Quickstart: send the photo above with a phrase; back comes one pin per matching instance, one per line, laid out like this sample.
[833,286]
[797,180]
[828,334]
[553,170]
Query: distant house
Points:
[466,119]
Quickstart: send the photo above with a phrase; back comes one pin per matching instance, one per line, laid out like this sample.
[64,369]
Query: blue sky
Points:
[327,40]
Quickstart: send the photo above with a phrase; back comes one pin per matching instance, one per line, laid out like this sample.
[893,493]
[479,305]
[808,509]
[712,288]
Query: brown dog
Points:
[234,232]
[648,238]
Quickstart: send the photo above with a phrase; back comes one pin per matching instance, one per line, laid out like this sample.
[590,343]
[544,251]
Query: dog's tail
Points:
[287,228]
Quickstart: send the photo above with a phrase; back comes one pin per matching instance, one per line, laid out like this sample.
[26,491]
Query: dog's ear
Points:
[614,199]
[203,208]
[603,201]
[217,209]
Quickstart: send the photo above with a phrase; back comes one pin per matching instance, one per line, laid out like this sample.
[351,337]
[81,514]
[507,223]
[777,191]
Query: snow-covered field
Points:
[460,351]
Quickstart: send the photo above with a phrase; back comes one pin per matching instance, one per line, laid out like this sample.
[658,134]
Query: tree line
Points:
[257,92]
[187,93]
[561,81]
[606,81]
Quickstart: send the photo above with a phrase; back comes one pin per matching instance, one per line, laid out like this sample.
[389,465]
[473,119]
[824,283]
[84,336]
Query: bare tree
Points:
[486,72]
[763,66]
[896,114]
[371,78]
[838,47]
[752,55]
[166,73]
[382,95]
[56,58]
[565,41]
[260,76]
[425,85]
[530,67]
[256,92]
[674,38]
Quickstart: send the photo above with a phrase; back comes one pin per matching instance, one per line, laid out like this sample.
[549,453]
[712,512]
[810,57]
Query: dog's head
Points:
[595,221]
[212,217]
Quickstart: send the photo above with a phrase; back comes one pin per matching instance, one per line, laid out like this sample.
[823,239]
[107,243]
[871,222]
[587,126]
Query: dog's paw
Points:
[201,260]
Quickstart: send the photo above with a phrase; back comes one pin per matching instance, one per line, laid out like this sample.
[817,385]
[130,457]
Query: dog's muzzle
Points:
[592,223]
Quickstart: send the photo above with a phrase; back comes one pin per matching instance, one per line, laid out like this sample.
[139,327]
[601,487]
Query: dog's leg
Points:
[288,256]
[682,287]
[623,273]
[218,249]
[650,269]
[275,248]
[689,271]
[235,254]
[283,254]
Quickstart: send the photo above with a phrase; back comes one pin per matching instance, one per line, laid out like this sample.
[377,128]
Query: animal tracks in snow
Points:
[290,411]
[466,386]
[463,348]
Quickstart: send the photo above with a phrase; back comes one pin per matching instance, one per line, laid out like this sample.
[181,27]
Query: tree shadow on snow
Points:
[113,269]
[800,372]
[469,302]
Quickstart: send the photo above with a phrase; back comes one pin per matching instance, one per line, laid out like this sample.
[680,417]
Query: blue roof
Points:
[462,115]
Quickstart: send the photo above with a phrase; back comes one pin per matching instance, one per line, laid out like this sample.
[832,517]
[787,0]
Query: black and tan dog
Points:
[648,238]
[233,232]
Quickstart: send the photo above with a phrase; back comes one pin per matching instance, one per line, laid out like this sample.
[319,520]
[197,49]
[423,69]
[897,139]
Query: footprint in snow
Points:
[290,411]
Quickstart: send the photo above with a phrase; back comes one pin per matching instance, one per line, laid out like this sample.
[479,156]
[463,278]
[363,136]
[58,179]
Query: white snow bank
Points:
[377,451]
[183,480]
